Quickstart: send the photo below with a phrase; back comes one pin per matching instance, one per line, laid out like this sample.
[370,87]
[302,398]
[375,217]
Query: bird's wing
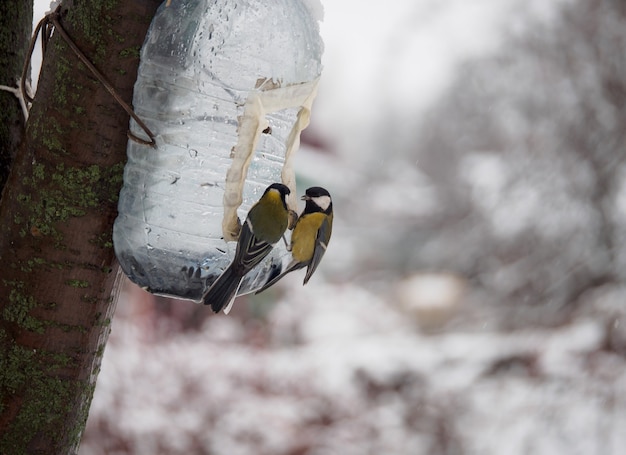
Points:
[250,250]
[321,243]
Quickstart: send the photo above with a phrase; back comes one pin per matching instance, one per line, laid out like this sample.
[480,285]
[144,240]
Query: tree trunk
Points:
[16,19]
[56,215]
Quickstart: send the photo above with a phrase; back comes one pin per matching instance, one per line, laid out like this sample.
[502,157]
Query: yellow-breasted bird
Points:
[264,226]
[311,234]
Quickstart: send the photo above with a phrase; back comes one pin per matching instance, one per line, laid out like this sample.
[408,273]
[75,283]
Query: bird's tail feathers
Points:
[223,291]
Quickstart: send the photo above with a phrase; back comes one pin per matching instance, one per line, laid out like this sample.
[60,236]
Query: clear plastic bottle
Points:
[223,85]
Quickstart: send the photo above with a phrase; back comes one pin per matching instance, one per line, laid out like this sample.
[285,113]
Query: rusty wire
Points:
[46,26]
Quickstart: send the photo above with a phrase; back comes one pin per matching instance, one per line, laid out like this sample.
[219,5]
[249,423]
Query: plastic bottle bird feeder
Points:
[226,87]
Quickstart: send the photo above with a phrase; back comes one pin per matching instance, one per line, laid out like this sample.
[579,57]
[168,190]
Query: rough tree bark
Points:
[57,268]
[16,18]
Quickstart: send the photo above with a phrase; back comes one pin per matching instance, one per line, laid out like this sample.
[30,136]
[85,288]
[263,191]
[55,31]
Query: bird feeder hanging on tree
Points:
[226,87]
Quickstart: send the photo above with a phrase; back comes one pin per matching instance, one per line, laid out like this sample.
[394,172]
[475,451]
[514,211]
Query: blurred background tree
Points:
[522,166]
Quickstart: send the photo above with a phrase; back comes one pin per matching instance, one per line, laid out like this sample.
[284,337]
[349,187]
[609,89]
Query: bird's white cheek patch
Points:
[322,201]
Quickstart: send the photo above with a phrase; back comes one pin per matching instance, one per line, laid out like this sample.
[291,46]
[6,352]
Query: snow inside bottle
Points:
[226,86]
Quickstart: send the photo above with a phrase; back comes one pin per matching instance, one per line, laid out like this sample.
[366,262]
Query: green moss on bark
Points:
[70,192]
[36,371]
[19,308]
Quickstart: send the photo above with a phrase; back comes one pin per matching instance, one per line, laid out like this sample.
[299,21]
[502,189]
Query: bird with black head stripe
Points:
[310,236]
[265,225]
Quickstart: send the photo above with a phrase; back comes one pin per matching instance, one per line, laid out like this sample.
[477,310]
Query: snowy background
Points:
[473,297]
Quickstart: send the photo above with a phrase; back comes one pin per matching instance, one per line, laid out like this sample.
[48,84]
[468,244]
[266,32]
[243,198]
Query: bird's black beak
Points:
[305,198]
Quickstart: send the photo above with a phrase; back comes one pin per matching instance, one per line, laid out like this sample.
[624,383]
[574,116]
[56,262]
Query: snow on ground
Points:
[337,370]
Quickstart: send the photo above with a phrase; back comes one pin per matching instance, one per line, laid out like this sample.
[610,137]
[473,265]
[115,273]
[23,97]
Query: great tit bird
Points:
[311,234]
[264,226]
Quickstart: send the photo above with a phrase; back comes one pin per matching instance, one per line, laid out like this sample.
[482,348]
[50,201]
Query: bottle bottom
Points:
[181,278]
